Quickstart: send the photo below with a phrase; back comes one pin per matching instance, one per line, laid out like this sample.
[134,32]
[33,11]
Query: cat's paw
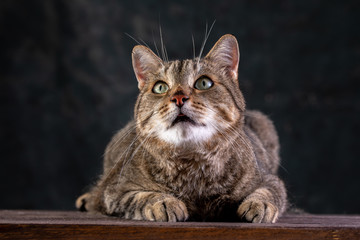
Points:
[82,201]
[148,206]
[168,209]
[258,211]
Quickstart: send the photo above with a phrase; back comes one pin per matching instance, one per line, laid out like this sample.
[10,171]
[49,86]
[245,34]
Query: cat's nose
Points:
[179,99]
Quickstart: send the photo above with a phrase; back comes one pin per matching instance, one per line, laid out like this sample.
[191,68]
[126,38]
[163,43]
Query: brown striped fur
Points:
[221,165]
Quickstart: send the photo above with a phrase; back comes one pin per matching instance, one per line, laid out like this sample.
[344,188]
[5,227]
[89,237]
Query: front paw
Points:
[168,209]
[82,201]
[148,206]
[258,211]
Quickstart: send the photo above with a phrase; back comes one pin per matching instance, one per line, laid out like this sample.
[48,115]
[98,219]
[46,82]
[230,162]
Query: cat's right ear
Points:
[145,62]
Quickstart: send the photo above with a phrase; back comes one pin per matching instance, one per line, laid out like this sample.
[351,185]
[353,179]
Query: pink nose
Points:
[179,99]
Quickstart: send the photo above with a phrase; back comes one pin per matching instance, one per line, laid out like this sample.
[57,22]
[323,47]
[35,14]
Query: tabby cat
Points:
[193,151]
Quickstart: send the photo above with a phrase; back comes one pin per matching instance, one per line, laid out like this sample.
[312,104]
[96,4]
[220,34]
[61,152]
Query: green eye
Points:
[203,83]
[160,87]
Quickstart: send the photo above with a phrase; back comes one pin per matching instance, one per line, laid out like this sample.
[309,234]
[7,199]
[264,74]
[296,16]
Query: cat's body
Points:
[193,151]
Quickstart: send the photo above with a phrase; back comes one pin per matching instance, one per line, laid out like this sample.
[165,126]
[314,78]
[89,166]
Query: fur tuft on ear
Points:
[144,62]
[226,53]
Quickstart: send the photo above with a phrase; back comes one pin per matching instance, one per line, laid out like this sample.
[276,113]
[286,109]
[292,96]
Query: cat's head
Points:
[188,101]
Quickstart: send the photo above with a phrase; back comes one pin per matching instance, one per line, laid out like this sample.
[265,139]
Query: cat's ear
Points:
[144,62]
[226,54]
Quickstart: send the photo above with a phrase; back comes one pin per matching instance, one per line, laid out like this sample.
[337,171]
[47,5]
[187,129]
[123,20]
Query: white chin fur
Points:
[186,133]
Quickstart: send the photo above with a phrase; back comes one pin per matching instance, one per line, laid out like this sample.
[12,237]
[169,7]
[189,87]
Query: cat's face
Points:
[189,101]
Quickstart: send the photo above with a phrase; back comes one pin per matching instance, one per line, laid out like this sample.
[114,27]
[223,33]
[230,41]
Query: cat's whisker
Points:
[227,138]
[235,145]
[207,34]
[125,154]
[231,129]
[193,44]
[118,141]
[166,54]
[135,152]
[220,119]
[133,38]
[155,45]
[163,48]
[120,158]
[244,139]
[144,43]
[231,139]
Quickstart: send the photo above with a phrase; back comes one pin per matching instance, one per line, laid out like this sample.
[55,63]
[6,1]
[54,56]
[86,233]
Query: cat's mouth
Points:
[182,118]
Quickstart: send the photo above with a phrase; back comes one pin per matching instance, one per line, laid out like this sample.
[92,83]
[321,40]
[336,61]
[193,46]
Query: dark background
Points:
[67,85]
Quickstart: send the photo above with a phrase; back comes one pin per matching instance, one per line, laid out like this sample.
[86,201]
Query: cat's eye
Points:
[203,83]
[160,87]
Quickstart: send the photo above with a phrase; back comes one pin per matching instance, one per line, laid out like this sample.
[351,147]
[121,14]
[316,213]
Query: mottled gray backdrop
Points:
[66,86]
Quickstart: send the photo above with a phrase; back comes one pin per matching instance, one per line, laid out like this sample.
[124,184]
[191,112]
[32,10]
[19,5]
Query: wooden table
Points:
[17,224]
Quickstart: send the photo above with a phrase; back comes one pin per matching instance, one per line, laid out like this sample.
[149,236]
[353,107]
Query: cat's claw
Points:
[258,211]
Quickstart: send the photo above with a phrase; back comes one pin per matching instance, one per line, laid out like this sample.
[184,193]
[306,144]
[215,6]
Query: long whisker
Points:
[141,42]
[240,147]
[229,126]
[133,38]
[163,48]
[128,149]
[235,134]
[129,131]
[144,43]
[207,34]
[156,48]
[135,151]
[243,138]
[193,44]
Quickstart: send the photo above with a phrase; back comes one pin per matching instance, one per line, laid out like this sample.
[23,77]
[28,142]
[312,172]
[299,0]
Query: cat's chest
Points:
[193,178]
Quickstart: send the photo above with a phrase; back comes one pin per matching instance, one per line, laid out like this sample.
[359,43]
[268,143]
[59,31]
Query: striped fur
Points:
[219,164]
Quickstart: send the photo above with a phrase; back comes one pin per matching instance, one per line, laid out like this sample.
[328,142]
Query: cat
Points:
[193,152]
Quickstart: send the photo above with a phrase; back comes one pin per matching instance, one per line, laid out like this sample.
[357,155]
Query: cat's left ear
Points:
[145,62]
[226,53]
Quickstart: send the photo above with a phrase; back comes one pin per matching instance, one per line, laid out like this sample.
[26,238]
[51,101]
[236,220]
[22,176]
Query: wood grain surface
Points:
[18,224]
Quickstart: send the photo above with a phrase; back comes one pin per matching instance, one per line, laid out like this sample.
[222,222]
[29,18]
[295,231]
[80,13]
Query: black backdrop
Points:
[66,85]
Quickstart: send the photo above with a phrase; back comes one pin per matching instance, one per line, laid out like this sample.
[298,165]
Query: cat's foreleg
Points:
[266,203]
[146,205]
